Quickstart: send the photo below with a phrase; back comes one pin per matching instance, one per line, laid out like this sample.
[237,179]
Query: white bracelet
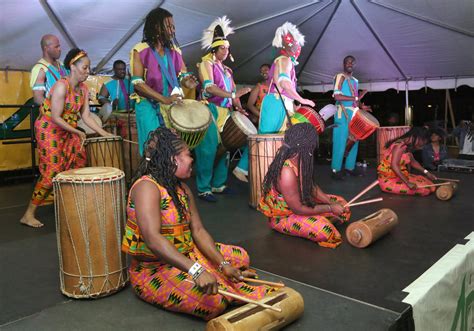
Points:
[233,95]
[196,266]
[425,171]
[356,98]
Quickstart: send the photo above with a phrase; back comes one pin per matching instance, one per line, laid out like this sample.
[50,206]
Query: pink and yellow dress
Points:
[317,228]
[161,284]
[389,181]
[59,150]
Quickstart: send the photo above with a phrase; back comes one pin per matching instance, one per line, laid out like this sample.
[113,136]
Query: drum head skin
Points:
[190,115]
[83,126]
[105,111]
[89,174]
[244,123]
[328,111]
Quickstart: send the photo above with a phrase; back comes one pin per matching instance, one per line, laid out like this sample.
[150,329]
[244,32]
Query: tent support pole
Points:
[57,22]
[408,114]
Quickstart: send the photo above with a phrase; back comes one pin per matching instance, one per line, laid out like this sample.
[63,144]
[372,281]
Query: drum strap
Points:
[171,78]
[284,107]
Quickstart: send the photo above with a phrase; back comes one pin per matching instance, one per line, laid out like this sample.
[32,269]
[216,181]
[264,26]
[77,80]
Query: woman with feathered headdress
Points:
[158,72]
[220,91]
[282,77]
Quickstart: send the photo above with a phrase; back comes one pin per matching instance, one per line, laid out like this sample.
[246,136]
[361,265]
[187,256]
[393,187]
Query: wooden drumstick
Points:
[433,185]
[367,189]
[266,282]
[242,298]
[365,202]
[130,141]
[449,179]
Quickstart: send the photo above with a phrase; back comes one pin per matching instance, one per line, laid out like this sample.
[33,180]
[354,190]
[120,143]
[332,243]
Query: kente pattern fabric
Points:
[58,149]
[170,288]
[317,228]
[389,181]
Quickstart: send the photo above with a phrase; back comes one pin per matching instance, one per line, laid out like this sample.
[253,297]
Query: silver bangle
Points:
[425,171]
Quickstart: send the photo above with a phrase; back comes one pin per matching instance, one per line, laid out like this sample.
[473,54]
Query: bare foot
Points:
[31,221]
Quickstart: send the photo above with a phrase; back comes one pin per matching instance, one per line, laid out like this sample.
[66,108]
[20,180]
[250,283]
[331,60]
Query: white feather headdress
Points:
[283,30]
[208,34]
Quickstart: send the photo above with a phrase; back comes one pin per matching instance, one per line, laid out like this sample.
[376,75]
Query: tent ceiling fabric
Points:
[392,40]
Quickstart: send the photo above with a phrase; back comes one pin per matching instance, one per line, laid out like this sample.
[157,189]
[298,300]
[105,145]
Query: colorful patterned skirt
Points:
[168,287]
[317,228]
[396,186]
[59,150]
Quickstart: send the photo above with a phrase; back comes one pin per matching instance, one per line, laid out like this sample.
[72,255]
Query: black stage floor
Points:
[344,289]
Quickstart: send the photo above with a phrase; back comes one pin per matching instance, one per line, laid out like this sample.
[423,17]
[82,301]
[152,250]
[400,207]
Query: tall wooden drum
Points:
[252,317]
[262,151]
[90,217]
[129,132]
[387,133]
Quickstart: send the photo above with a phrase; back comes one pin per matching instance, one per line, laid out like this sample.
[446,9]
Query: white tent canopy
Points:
[402,44]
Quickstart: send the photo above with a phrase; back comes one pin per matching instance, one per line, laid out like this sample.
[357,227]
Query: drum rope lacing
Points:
[118,204]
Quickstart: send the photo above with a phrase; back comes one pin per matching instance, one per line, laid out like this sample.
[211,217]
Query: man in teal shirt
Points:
[117,91]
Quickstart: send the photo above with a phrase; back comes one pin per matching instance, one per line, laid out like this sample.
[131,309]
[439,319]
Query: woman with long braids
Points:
[394,168]
[158,71]
[292,202]
[59,141]
[175,262]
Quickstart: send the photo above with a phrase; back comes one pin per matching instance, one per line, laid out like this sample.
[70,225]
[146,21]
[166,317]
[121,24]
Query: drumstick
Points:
[433,185]
[266,282]
[130,141]
[242,298]
[365,202]
[367,189]
[450,179]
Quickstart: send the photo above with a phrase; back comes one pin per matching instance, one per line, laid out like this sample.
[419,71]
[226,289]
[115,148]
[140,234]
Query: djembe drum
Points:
[90,217]
[361,126]
[446,192]
[388,133]
[105,152]
[252,317]
[262,151]
[305,114]
[191,119]
[364,232]
[236,130]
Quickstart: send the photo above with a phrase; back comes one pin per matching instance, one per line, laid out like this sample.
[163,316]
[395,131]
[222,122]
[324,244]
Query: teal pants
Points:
[210,173]
[149,118]
[272,116]
[339,139]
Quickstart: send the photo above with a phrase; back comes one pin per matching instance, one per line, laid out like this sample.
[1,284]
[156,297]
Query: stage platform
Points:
[344,289]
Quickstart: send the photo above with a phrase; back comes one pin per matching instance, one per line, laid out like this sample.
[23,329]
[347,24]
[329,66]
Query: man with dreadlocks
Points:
[292,202]
[175,262]
[220,91]
[158,71]
[393,171]
[282,78]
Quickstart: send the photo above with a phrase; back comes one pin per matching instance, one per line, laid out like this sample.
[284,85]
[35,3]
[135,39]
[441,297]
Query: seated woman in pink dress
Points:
[394,170]
[176,264]
[292,202]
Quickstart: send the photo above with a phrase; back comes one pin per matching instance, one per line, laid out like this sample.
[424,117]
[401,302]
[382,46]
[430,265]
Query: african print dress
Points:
[317,228]
[389,181]
[168,287]
[59,150]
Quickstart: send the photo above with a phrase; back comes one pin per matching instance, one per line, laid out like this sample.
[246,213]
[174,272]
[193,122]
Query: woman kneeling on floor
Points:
[292,202]
[394,169]
[175,262]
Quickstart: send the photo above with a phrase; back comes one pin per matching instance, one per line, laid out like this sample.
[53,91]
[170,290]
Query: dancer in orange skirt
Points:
[292,202]
[176,264]
[397,161]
